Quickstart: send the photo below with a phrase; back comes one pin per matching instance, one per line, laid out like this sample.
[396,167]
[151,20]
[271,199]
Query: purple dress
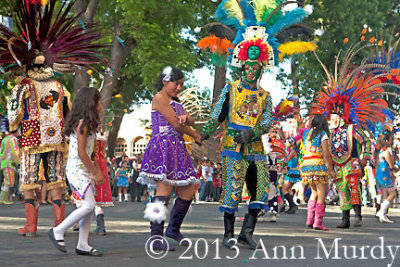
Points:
[166,157]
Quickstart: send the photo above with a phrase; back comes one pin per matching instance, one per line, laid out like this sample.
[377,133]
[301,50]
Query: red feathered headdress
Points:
[354,92]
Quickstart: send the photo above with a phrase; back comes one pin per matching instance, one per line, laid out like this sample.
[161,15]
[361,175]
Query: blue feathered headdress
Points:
[250,19]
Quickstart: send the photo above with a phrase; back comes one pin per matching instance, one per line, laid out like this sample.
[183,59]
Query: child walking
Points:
[316,169]
[82,170]
[292,175]
[166,161]
[123,182]
[384,175]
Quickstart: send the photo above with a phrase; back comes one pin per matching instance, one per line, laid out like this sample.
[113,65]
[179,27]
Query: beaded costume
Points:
[243,106]
[351,100]
[46,41]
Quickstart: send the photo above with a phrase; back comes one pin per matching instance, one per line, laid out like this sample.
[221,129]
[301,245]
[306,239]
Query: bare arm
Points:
[292,154]
[328,158]
[189,120]
[389,159]
[161,104]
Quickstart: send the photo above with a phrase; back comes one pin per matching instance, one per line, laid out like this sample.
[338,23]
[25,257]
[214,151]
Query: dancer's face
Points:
[173,88]
[252,71]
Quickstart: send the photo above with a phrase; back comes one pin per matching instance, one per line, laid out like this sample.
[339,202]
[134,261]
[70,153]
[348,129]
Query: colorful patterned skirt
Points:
[293,176]
[314,170]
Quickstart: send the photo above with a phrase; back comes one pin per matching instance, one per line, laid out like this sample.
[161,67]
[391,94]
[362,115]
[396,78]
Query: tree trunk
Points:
[113,135]
[219,82]
[87,11]
[118,56]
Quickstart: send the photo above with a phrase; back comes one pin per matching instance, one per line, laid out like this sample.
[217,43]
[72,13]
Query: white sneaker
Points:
[272,218]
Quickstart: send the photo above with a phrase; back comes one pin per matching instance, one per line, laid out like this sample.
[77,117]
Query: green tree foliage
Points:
[340,19]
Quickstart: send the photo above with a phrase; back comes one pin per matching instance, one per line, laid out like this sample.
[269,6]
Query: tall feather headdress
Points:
[257,22]
[355,91]
[55,35]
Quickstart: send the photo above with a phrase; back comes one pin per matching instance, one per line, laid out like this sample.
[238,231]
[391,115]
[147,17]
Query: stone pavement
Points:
[375,244]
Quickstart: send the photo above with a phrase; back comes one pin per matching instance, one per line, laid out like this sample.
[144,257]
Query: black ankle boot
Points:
[357,211]
[229,224]
[345,220]
[292,207]
[246,234]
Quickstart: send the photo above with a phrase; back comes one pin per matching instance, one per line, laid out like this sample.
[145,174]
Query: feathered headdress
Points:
[258,23]
[287,108]
[354,92]
[54,35]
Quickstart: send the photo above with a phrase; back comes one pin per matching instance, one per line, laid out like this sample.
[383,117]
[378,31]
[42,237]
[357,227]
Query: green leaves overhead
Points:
[341,19]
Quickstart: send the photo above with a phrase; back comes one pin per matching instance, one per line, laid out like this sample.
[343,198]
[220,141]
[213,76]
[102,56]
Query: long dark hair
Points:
[173,74]
[381,143]
[319,124]
[84,108]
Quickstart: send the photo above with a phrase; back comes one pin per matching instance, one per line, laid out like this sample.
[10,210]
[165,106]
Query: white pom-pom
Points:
[214,1]
[197,29]
[309,9]
[369,29]
[318,32]
[365,26]
[156,211]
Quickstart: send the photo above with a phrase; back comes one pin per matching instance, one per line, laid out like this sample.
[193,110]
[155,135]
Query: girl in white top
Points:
[82,171]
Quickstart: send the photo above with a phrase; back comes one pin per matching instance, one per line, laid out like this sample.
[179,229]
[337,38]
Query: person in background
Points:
[217,181]
[9,157]
[123,181]
[198,171]
[208,171]
[292,175]
[136,188]
[384,175]
[317,169]
[203,180]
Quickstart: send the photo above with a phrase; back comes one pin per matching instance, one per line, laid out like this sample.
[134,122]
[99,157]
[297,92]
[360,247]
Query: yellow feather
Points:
[296,47]
[260,6]
[233,9]
[44,2]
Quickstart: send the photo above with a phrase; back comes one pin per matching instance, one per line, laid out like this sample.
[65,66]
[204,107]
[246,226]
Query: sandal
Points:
[93,252]
[56,242]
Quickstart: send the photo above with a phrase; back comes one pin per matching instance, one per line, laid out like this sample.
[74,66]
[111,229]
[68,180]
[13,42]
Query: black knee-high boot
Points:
[249,223]
[345,220]
[357,211]
[229,223]
[292,207]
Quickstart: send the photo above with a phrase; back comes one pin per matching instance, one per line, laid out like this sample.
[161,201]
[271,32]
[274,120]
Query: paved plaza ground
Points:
[375,244]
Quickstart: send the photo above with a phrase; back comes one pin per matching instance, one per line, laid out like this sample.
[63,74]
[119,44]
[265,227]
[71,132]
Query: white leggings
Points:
[83,214]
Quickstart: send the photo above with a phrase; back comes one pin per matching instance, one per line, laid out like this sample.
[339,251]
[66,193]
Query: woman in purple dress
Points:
[166,161]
